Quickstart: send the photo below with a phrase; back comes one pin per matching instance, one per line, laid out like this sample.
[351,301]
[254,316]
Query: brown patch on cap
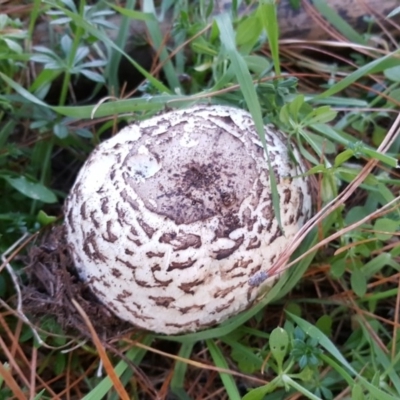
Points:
[287,194]
[181,265]
[187,287]
[133,203]
[254,243]
[104,205]
[224,253]
[181,241]
[193,308]
[91,248]
[162,301]
[146,227]
[111,237]
[152,254]
[221,293]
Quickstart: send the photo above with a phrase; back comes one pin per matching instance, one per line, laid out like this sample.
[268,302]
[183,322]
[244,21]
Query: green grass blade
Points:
[227,379]
[156,103]
[178,380]
[120,42]
[268,15]
[23,92]
[299,388]
[372,67]
[34,14]
[338,368]
[338,22]
[242,72]
[158,42]
[133,14]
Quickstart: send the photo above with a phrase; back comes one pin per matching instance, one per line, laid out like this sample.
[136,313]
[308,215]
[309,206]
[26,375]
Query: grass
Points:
[330,328]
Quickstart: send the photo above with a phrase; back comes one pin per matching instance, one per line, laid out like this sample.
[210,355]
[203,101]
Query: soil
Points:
[52,284]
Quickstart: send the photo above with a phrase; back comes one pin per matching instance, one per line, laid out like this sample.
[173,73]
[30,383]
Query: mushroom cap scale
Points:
[169,220]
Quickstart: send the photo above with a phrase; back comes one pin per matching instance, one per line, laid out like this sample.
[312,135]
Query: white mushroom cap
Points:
[169,219]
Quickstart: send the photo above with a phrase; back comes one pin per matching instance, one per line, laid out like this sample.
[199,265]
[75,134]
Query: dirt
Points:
[52,284]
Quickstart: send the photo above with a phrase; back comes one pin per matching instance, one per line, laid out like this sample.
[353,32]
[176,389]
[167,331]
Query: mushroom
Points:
[171,222]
